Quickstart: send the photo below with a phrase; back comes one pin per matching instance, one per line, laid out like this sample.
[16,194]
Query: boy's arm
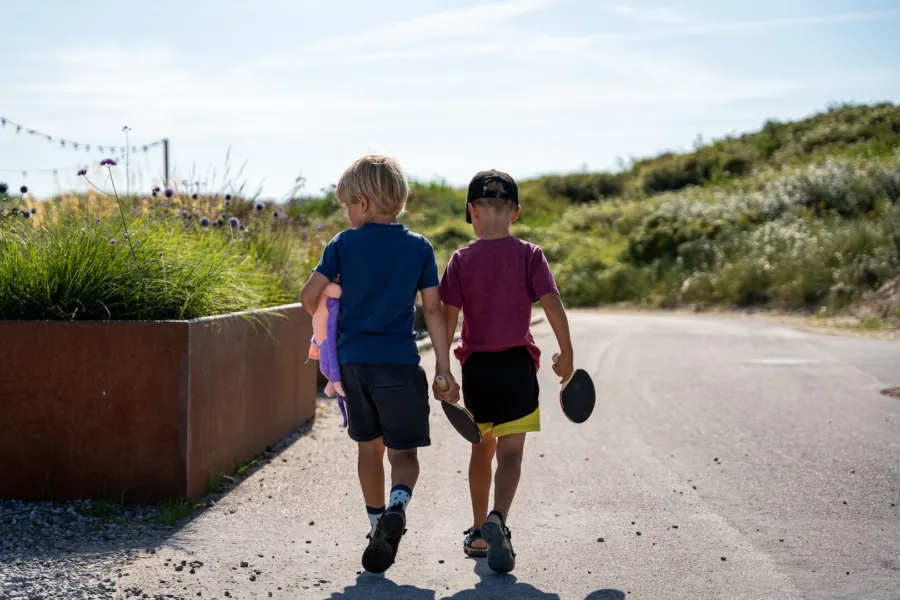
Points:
[556,315]
[451,320]
[327,270]
[311,292]
[437,330]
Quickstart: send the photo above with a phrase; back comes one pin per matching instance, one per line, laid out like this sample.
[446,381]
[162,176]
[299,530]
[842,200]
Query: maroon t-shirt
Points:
[495,283]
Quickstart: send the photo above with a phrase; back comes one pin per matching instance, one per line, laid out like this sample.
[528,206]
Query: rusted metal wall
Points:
[146,411]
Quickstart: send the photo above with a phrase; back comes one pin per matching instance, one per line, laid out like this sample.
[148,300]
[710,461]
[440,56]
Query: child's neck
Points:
[382,220]
[496,231]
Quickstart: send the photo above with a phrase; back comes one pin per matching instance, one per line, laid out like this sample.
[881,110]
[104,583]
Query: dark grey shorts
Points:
[389,401]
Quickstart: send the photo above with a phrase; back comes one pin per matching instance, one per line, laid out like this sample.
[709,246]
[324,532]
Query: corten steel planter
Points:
[142,411]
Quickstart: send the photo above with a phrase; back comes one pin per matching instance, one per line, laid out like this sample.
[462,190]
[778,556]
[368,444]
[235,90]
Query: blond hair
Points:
[377,178]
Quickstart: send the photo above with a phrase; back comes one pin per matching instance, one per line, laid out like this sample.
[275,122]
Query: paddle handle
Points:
[556,362]
[442,383]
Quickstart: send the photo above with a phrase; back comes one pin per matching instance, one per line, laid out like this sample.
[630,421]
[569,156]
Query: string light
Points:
[64,143]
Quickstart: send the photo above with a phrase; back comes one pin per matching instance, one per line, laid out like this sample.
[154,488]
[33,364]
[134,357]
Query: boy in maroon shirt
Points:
[495,281]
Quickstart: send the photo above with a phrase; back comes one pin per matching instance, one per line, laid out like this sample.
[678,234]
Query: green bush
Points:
[582,188]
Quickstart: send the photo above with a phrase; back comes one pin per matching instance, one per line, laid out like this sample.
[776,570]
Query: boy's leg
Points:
[501,556]
[370,465]
[364,428]
[510,449]
[400,395]
[404,470]
[480,475]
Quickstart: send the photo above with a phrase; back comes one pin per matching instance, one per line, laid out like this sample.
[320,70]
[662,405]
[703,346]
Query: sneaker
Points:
[501,556]
[382,548]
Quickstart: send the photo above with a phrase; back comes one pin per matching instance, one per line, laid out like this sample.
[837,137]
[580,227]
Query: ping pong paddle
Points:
[461,419]
[577,396]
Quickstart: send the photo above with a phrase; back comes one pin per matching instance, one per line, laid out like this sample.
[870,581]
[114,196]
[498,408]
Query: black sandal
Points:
[501,559]
[473,534]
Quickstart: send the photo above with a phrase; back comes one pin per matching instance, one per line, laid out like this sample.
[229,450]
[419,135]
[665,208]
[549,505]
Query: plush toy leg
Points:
[343,408]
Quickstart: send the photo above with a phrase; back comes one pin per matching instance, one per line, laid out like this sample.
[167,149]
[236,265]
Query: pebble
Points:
[601,540]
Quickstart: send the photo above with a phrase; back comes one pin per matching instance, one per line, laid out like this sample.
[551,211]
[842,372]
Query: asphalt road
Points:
[725,459]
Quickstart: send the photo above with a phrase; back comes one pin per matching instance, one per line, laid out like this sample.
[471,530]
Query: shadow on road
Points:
[606,595]
[494,586]
[378,586]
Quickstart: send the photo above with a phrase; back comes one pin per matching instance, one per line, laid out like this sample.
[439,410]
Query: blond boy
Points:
[382,266]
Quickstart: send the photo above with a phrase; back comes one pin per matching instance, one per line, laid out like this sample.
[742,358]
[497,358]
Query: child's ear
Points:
[363,203]
[515,215]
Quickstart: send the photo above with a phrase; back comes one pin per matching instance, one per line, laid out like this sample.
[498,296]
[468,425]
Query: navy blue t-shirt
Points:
[381,269]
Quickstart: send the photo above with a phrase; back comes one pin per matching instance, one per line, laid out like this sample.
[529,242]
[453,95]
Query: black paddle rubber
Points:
[462,421]
[578,397]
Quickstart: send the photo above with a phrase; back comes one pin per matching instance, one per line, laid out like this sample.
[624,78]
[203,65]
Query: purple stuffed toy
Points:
[323,346]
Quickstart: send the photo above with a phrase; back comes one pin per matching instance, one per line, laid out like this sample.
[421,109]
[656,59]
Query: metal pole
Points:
[166,159]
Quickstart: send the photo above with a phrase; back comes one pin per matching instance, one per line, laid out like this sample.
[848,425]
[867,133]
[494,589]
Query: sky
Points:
[288,88]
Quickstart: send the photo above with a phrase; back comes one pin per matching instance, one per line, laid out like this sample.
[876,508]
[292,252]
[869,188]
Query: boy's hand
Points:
[564,365]
[446,390]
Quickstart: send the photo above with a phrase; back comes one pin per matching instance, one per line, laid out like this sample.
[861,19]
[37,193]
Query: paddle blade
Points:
[462,422]
[578,397]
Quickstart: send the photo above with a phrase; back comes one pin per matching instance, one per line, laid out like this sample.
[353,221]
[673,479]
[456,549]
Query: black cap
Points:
[491,184]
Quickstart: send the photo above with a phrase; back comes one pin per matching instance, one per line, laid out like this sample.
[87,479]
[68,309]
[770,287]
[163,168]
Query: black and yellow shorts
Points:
[501,391]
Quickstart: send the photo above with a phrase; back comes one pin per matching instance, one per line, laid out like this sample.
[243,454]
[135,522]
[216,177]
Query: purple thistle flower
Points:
[243,228]
[220,222]
[204,221]
[96,219]
[275,214]
[234,222]
[126,235]
[25,214]
[156,189]
[260,206]
[34,211]
[320,227]
[4,187]
[82,172]
[113,241]
[169,192]
[107,162]
[184,214]
[23,189]
[303,218]
[194,196]
[227,197]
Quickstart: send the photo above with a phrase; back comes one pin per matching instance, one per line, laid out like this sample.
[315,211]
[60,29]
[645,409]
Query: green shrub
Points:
[582,188]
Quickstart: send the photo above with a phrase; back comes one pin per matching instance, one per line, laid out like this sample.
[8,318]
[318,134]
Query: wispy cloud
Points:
[757,25]
[665,14]
[464,22]
[444,33]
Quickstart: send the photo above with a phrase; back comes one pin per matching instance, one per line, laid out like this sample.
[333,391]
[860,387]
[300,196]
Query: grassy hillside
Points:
[797,216]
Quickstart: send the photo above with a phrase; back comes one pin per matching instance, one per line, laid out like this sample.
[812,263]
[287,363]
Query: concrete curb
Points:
[426,344]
